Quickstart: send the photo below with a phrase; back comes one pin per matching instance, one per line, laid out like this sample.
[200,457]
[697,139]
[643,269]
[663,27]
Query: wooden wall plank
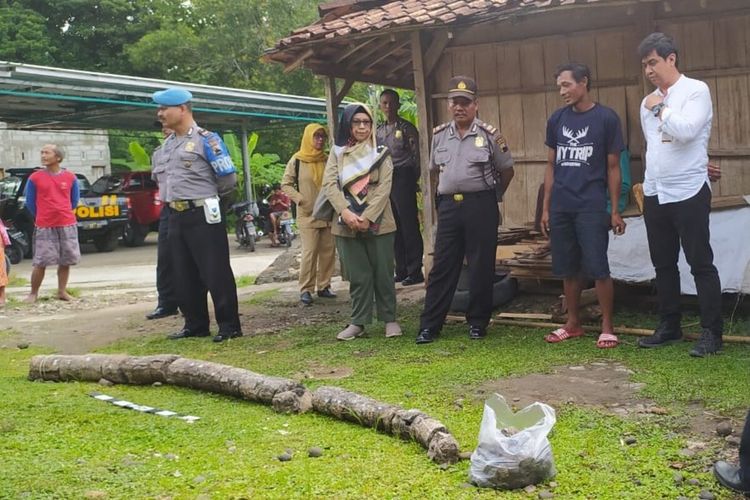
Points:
[511,123]
[485,61]
[733,109]
[508,66]
[582,49]
[463,62]
[614,97]
[697,48]
[731,42]
[632,125]
[442,74]
[534,124]
[532,63]
[489,110]
[714,141]
[735,178]
[610,57]
[555,54]
[515,206]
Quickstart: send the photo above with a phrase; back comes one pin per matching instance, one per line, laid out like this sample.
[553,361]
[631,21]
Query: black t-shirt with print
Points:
[582,142]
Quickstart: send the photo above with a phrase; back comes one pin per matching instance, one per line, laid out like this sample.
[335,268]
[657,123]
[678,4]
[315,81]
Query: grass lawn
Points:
[56,442]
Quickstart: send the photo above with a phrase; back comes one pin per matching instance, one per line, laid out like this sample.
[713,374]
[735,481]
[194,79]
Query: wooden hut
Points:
[511,48]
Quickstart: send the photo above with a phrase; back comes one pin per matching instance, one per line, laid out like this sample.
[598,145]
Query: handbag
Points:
[322,208]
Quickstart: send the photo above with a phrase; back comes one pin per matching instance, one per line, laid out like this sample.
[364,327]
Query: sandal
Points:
[607,341]
[562,334]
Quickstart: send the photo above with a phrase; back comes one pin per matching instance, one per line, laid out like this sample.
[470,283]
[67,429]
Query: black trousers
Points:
[465,228]
[201,262]
[408,248]
[745,453]
[684,223]
[164,267]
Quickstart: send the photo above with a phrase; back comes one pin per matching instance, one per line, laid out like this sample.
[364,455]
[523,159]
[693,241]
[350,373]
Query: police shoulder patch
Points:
[441,127]
[487,127]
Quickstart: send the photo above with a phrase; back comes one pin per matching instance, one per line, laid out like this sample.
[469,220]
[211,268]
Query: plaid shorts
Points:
[56,246]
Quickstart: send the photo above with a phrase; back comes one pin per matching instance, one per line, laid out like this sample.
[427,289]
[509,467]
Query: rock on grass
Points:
[284,457]
[724,428]
[706,495]
[315,452]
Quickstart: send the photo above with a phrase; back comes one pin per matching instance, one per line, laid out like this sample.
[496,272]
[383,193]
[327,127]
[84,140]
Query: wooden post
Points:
[424,127]
[331,106]
[246,165]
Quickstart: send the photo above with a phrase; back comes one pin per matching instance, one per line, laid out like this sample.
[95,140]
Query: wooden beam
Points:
[392,72]
[424,127]
[387,54]
[372,50]
[440,40]
[299,61]
[354,49]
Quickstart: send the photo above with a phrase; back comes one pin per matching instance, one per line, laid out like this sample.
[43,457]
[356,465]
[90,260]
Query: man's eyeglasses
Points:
[361,123]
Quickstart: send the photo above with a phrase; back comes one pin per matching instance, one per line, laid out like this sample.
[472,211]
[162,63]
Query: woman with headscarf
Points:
[301,182]
[357,183]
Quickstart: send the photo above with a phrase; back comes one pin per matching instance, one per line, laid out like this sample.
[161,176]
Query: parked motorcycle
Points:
[286,228]
[19,245]
[245,231]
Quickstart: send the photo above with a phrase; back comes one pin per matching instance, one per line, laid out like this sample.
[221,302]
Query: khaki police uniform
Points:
[318,250]
[200,250]
[468,218]
[402,139]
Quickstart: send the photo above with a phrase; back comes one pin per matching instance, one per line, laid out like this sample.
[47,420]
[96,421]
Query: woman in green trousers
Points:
[357,182]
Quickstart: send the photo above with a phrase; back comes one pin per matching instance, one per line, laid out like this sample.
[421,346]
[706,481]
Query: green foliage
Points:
[140,158]
[264,167]
[23,36]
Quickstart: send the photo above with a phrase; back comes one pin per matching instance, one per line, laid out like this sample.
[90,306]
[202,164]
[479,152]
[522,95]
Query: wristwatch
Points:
[656,110]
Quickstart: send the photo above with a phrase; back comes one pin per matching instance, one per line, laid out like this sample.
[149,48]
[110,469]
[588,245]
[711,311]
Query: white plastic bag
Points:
[513,450]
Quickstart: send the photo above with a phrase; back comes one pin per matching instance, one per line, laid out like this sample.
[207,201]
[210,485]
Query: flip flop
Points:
[607,341]
[562,334]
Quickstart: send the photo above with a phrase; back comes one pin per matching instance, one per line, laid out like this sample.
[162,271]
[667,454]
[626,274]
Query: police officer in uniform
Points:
[199,172]
[402,139]
[474,169]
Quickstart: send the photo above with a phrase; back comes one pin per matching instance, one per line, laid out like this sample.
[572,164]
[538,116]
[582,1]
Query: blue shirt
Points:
[582,142]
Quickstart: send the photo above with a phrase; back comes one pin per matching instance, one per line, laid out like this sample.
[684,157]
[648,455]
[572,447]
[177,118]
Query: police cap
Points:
[173,96]
[462,86]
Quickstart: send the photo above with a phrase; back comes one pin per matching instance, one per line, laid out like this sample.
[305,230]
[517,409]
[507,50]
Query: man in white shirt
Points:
[676,122]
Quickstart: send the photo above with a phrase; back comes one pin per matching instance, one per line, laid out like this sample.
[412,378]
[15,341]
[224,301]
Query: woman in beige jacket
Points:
[301,182]
[357,183]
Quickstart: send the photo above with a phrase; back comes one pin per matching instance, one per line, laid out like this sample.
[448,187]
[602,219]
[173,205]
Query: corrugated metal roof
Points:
[45,97]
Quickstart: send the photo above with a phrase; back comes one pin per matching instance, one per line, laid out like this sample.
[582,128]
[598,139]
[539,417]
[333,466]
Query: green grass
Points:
[56,442]
[244,280]
[15,281]
[263,296]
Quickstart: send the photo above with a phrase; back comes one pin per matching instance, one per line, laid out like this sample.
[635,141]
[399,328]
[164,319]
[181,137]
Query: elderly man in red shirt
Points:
[51,196]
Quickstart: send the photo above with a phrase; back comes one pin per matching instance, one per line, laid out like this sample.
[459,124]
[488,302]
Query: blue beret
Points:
[173,96]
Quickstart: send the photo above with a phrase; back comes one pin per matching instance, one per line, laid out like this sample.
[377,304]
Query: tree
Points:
[23,36]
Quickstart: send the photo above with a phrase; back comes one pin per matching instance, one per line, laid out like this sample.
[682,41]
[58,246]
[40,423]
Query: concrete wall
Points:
[86,151]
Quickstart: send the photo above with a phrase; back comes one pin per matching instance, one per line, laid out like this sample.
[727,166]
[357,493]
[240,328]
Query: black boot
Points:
[664,334]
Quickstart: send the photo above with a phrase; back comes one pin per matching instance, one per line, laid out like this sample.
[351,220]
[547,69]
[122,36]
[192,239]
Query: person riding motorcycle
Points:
[280,203]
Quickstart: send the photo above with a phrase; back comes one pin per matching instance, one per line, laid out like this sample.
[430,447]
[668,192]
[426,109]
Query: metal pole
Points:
[246,165]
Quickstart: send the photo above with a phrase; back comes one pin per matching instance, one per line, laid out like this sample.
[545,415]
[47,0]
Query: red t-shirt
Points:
[53,198]
[279,202]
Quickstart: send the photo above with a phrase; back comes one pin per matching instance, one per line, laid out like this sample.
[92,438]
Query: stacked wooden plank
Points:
[530,258]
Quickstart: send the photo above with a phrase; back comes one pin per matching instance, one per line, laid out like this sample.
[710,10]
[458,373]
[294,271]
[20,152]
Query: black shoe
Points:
[663,335]
[185,333]
[222,336]
[414,279]
[477,332]
[729,475]
[707,344]
[326,293]
[161,312]
[398,278]
[426,336]
[306,298]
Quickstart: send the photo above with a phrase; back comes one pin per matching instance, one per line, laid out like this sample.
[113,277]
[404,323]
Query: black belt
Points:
[458,197]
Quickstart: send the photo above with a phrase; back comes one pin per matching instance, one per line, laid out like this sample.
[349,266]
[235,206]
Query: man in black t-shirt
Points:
[585,142]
